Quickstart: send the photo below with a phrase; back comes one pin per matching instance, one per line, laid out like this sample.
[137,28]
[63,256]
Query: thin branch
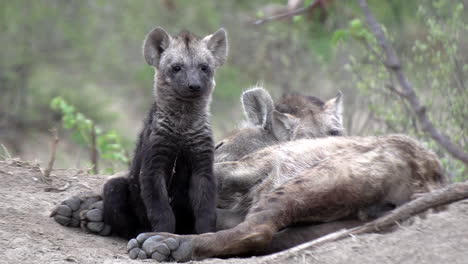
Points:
[58,189]
[393,64]
[408,110]
[373,51]
[94,151]
[53,151]
[395,90]
[170,5]
[459,76]
[7,153]
[449,194]
[290,14]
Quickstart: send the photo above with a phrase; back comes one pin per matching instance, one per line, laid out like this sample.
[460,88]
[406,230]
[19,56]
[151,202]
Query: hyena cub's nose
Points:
[194,87]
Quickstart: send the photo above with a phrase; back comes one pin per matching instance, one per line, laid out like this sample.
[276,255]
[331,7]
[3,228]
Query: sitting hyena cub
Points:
[171,187]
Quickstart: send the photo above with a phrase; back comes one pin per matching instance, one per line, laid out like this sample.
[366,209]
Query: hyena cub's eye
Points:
[176,68]
[204,68]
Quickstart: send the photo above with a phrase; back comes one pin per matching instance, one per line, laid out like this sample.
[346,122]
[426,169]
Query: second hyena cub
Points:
[170,187]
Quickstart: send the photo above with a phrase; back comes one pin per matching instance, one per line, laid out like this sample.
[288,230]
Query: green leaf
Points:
[297,19]
[307,3]
[355,24]
[109,171]
[339,36]
[260,14]
[56,102]
[68,122]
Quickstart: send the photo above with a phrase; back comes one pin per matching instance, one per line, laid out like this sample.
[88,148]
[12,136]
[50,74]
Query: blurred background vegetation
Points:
[89,54]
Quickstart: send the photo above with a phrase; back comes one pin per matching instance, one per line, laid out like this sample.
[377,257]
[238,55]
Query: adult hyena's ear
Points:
[284,126]
[334,107]
[156,42]
[217,44]
[258,106]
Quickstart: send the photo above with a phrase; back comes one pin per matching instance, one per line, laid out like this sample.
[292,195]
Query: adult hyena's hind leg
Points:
[255,232]
[314,194]
[84,210]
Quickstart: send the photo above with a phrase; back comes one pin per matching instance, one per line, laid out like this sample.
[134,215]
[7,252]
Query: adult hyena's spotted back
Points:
[369,159]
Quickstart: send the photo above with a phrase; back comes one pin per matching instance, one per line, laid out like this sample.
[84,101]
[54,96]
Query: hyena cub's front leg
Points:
[156,168]
[202,190]
[85,211]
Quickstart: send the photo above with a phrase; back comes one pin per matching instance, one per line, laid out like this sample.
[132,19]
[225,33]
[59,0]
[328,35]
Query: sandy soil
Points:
[28,235]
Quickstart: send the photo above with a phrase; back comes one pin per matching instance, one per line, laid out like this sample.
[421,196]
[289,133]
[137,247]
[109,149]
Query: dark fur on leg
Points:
[203,189]
[118,212]
[156,172]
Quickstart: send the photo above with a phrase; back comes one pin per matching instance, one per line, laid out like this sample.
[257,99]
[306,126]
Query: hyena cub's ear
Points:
[334,106]
[155,44]
[217,44]
[258,105]
[284,126]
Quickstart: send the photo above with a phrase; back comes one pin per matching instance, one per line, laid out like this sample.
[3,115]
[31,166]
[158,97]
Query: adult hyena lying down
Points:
[293,116]
[318,180]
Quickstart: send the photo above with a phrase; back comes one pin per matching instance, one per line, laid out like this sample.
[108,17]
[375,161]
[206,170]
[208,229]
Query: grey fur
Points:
[171,186]
[295,116]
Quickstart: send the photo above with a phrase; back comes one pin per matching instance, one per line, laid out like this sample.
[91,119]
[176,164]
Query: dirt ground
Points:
[28,235]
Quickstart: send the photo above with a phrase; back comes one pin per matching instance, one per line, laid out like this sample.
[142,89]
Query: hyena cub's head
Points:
[294,116]
[185,64]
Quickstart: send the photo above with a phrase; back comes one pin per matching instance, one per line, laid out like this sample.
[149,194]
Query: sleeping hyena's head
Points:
[185,64]
[317,118]
[294,116]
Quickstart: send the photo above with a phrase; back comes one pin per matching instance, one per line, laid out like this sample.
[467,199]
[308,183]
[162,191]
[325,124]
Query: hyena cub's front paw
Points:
[160,247]
[67,213]
[92,220]
[83,211]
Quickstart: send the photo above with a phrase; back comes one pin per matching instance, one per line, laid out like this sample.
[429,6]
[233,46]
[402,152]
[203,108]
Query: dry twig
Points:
[290,14]
[94,151]
[7,153]
[53,151]
[393,65]
[58,189]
